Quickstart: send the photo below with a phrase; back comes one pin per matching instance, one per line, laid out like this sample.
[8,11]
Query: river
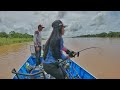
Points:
[102,62]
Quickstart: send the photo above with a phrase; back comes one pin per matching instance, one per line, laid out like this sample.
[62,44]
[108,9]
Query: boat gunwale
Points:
[22,65]
[84,69]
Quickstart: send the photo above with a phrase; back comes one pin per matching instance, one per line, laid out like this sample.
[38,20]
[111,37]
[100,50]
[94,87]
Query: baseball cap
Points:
[41,26]
[58,23]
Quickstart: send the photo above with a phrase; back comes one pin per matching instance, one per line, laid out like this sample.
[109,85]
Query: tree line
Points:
[14,34]
[103,34]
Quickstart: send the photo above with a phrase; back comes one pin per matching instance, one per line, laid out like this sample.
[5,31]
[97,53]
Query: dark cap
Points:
[58,23]
[40,26]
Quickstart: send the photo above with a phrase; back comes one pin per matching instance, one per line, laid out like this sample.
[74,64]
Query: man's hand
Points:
[37,48]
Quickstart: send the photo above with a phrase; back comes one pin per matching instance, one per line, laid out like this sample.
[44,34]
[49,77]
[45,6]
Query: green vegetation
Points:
[104,34]
[7,41]
[14,37]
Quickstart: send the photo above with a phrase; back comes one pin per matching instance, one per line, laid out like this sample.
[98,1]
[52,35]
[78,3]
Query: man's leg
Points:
[37,54]
[40,55]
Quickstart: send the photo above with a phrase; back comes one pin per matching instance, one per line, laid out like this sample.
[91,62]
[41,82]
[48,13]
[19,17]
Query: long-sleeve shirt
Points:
[37,38]
[50,58]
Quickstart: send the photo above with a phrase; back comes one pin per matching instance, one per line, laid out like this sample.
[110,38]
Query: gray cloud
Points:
[79,22]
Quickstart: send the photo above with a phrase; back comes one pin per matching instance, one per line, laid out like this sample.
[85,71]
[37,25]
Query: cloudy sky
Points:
[79,22]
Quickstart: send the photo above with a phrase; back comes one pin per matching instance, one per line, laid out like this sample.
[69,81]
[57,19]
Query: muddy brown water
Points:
[103,63]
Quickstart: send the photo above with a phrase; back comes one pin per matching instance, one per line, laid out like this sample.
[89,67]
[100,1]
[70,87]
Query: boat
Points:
[29,70]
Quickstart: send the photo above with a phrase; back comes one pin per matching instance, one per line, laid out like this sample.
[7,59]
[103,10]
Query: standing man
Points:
[37,43]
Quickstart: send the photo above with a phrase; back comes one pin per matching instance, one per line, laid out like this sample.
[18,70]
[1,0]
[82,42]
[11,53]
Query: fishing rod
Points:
[77,53]
[84,50]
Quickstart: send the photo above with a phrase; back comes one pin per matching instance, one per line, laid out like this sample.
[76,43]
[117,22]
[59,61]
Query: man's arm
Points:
[35,40]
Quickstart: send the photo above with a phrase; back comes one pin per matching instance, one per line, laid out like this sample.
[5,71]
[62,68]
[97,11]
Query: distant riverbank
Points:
[14,37]
[8,41]
[102,35]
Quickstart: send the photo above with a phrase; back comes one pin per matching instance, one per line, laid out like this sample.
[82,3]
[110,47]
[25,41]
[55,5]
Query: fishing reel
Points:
[72,53]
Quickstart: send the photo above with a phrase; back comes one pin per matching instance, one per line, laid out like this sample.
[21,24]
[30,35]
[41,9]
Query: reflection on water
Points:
[102,63]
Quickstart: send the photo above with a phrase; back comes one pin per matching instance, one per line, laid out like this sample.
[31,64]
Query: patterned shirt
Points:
[37,38]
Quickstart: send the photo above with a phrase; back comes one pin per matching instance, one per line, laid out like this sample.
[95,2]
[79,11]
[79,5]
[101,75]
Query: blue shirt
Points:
[50,58]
